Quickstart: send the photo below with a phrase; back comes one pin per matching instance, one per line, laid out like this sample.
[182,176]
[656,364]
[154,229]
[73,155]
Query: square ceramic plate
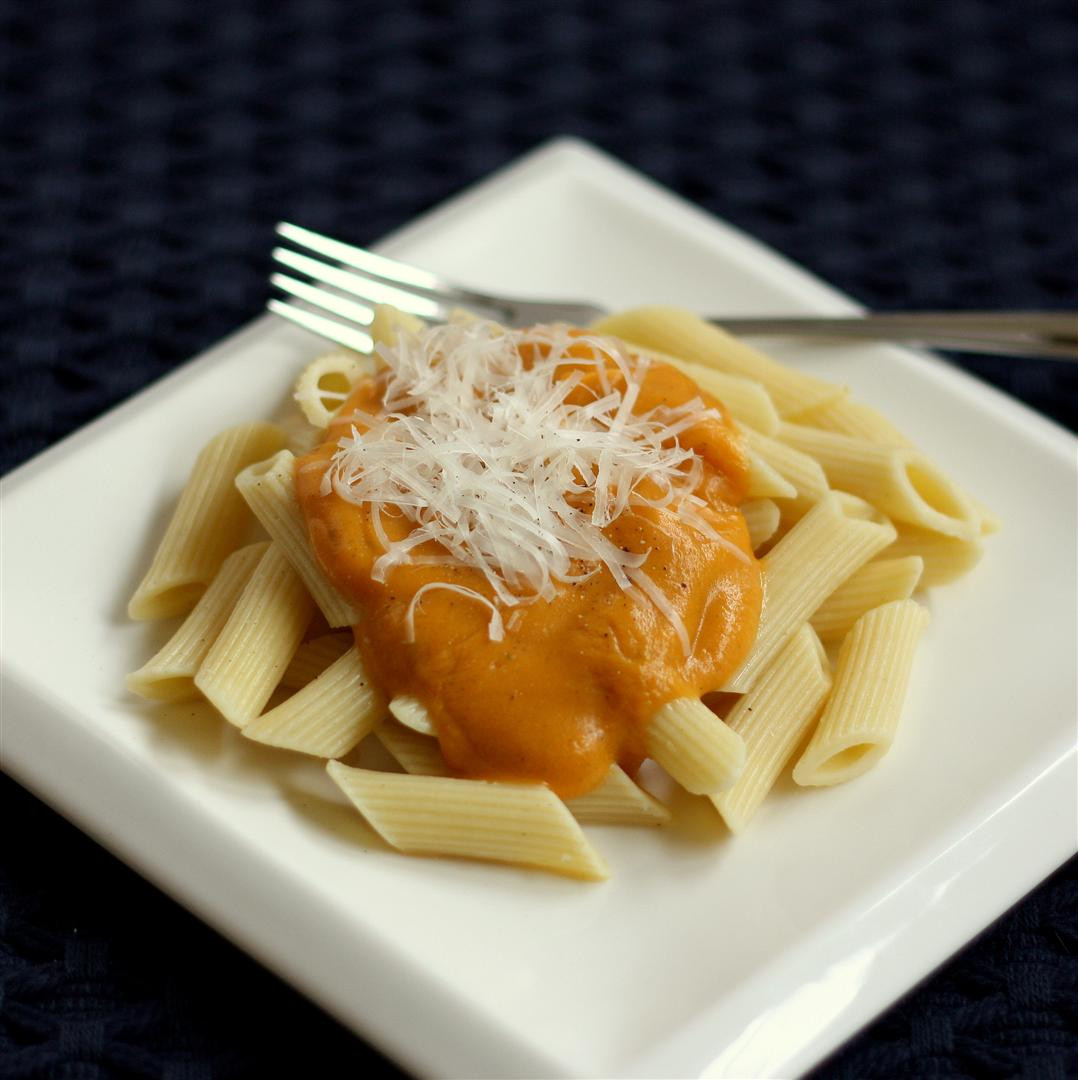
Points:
[703,955]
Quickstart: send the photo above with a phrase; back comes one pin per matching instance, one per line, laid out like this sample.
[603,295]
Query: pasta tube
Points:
[312,658]
[169,675]
[858,725]
[773,719]
[765,481]
[681,333]
[844,416]
[525,824]
[389,323]
[251,653]
[903,483]
[618,801]
[747,401]
[945,558]
[269,489]
[328,716]
[877,582]
[415,753]
[694,746]
[798,469]
[412,713]
[839,535]
[762,518]
[207,524]
[326,381]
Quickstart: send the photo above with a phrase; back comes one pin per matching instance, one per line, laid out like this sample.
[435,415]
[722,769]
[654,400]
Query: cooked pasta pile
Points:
[503,469]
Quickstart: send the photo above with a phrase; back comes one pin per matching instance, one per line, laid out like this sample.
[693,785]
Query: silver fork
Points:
[345,282]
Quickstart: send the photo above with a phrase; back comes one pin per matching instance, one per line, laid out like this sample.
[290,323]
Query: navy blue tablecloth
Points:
[916,153]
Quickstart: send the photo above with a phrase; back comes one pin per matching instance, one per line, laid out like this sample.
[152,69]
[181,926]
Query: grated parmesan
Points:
[487,458]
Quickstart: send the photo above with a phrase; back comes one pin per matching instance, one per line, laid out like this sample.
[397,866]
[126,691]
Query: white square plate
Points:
[703,955]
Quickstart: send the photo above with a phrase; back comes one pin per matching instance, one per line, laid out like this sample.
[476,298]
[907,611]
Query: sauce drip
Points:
[570,688]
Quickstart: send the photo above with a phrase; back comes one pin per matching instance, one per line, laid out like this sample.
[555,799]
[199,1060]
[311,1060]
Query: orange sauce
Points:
[571,687]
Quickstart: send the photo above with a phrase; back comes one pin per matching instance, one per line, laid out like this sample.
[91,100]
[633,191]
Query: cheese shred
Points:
[510,451]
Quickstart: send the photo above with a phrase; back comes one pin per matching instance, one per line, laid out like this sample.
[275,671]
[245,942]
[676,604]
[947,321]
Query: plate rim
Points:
[497,1047]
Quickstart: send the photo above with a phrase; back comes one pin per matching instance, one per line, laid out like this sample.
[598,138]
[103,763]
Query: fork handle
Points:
[1052,334]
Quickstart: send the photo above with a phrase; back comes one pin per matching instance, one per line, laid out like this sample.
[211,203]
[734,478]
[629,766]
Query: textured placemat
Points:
[916,154]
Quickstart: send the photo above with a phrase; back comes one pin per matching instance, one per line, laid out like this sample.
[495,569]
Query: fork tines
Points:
[347,282]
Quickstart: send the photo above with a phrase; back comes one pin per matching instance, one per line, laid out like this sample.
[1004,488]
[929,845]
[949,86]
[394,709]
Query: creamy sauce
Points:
[571,687]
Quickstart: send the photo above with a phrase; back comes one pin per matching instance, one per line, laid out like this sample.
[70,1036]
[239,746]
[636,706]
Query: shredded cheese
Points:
[495,468]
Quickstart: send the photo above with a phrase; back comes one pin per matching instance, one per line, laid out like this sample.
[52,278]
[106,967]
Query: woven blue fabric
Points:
[915,153]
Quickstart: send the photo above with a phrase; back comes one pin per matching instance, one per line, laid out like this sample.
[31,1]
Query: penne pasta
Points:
[839,535]
[169,675]
[326,381]
[762,518]
[618,801]
[844,416]
[526,824]
[903,483]
[415,753]
[765,481]
[694,746]
[683,334]
[803,472]
[389,323]
[773,719]
[269,489]
[746,399]
[329,716]
[945,558]
[207,524]
[877,582]
[858,725]
[413,714]
[312,658]
[251,653]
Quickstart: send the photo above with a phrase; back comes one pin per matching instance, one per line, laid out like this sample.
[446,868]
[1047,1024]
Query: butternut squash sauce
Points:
[571,687]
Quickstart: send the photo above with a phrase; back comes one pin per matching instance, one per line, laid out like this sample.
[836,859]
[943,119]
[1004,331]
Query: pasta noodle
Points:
[695,747]
[762,518]
[412,714]
[747,400]
[766,482]
[877,582]
[858,725]
[389,322]
[326,381]
[267,487]
[618,801]
[329,716]
[434,815]
[945,558]
[772,720]
[261,635]
[822,550]
[846,417]
[169,675]
[681,333]
[312,658]
[904,484]
[804,473]
[207,525]
[415,753]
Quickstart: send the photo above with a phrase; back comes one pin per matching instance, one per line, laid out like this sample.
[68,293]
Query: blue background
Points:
[915,153]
